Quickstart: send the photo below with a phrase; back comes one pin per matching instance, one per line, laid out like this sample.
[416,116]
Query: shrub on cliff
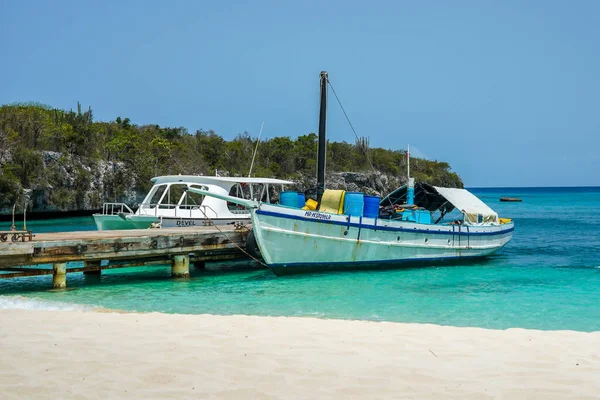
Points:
[28,130]
[10,188]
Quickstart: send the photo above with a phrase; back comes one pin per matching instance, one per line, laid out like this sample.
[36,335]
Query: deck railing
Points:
[116,208]
[180,210]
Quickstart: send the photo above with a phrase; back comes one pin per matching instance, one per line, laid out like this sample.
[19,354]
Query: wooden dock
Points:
[126,248]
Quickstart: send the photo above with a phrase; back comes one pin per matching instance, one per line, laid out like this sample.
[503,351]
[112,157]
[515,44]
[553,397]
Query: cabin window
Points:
[192,200]
[173,196]
[255,191]
[479,219]
[260,192]
[158,192]
[242,191]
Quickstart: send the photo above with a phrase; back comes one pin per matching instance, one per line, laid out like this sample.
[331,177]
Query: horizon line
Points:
[528,187]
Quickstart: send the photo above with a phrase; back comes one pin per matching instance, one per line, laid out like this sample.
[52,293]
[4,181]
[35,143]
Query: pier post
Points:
[95,263]
[59,275]
[180,267]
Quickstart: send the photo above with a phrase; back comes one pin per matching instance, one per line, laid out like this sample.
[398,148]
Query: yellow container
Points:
[310,205]
[332,201]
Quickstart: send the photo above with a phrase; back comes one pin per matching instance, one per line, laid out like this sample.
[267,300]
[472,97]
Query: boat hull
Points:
[293,241]
[116,222]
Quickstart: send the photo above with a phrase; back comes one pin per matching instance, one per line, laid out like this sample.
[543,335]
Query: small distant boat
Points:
[344,230]
[168,204]
[513,199]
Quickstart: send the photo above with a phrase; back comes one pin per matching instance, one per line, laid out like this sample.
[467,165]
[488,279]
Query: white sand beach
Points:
[94,355]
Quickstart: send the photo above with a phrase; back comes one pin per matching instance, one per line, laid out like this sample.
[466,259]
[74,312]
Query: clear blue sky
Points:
[507,92]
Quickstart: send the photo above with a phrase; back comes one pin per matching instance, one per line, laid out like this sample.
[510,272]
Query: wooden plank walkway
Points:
[134,247]
[126,244]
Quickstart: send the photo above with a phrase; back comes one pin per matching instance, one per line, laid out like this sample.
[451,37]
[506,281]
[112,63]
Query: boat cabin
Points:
[169,196]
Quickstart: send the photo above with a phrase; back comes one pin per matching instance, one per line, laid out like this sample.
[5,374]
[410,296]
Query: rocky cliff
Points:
[64,161]
[74,184]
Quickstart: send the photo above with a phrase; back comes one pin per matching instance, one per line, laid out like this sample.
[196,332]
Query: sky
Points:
[507,92]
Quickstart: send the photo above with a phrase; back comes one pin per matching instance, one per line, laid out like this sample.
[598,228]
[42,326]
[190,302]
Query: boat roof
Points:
[217,179]
[466,201]
[435,198]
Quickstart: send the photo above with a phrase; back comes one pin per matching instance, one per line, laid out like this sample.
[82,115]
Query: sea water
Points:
[547,277]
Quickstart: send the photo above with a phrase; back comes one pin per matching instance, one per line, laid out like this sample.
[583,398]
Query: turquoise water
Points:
[547,277]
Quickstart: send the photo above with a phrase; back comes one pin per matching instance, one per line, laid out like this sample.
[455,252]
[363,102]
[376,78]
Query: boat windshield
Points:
[174,194]
[170,196]
[158,192]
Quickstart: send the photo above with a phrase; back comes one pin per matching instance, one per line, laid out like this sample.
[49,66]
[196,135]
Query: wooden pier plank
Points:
[126,244]
[16,248]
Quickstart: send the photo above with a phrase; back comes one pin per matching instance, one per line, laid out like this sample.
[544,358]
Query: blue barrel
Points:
[301,200]
[371,209]
[289,199]
[354,203]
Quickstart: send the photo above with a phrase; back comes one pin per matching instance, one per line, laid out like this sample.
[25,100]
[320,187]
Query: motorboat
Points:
[168,203]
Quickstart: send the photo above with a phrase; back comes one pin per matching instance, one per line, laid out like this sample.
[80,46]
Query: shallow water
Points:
[547,277]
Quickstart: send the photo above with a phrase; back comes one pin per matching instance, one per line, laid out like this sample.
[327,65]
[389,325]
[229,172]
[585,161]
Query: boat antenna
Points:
[256,148]
[25,214]
[13,227]
[410,191]
[322,139]
[408,161]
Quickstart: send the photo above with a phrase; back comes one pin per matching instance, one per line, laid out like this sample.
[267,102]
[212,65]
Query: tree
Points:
[212,147]
[90,150]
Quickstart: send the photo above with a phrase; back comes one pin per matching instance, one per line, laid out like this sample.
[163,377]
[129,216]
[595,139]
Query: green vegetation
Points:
[73,162]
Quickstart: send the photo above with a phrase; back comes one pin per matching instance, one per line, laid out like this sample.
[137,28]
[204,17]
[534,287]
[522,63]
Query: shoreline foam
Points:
[18,302]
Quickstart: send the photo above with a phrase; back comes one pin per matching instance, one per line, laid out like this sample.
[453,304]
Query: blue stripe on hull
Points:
[297,268]
[384,228]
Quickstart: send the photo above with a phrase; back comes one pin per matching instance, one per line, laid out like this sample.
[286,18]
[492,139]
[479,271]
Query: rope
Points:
[350,123]
[231,241]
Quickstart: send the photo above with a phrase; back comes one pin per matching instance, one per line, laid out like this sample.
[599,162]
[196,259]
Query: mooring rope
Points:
[350,123]
[231,241]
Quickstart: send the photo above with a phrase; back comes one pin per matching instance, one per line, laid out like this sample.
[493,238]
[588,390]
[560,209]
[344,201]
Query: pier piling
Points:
[180,267]
[59,275]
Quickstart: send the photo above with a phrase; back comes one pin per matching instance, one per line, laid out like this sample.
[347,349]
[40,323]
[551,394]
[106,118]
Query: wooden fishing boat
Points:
[415,223]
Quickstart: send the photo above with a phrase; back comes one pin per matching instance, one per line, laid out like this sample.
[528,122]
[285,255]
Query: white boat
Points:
[422,224]
[295,240]
[168,203]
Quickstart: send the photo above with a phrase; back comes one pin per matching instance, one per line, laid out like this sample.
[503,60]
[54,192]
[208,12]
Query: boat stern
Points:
[122,221]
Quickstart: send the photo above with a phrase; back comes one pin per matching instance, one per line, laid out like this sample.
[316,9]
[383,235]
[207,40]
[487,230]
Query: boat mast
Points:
[322,139]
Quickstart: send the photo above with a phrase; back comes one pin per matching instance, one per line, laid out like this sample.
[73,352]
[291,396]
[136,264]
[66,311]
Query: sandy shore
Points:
[67,354]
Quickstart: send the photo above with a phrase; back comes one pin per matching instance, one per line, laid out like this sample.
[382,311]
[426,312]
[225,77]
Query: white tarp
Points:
[470,205]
